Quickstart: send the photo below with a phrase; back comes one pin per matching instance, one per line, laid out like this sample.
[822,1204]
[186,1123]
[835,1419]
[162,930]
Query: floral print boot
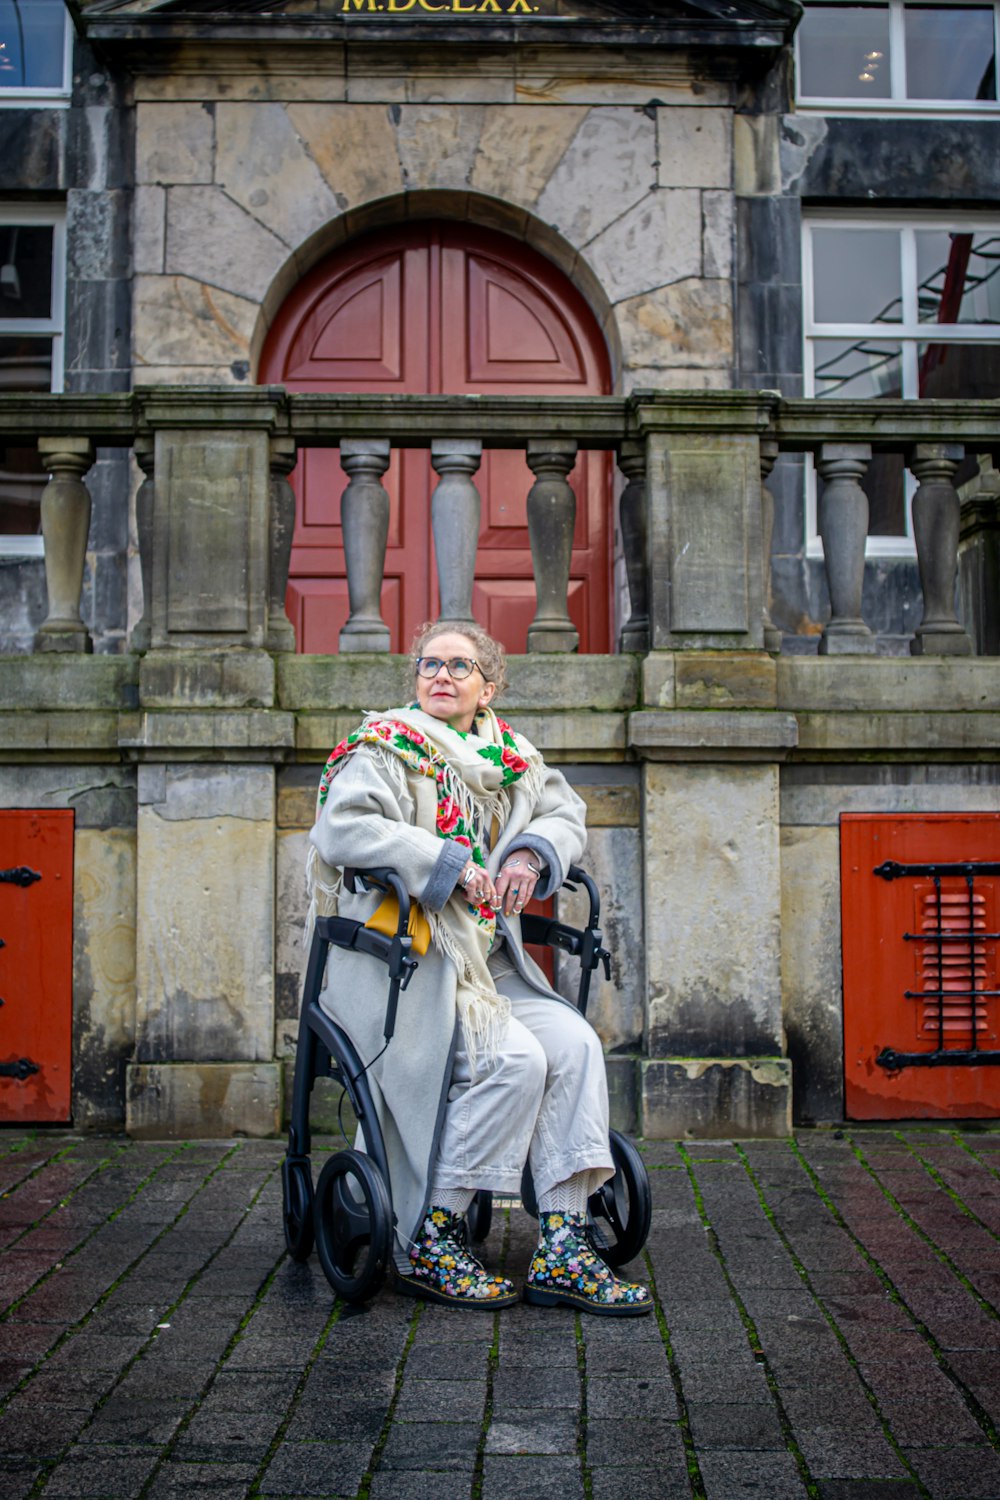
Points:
[445,1271]
[565,1271]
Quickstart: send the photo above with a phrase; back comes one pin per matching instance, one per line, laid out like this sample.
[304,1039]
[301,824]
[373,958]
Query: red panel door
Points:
[441,309]
[921,965]
[36,966]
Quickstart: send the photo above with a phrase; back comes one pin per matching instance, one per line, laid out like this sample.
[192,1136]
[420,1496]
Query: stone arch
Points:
[460,207]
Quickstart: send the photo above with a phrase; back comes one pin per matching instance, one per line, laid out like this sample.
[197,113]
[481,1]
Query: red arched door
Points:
[439,308]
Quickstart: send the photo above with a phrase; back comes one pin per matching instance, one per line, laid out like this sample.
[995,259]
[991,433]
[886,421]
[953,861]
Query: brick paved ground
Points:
[827,1326]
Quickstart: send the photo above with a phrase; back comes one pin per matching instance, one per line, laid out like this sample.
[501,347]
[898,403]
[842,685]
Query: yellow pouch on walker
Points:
[385,919]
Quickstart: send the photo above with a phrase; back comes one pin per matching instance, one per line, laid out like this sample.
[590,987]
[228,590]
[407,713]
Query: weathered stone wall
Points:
[82,157]
[622,176]
[784,165]
[867,771]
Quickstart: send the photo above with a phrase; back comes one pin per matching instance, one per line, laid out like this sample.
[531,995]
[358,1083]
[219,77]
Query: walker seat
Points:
[348,1214]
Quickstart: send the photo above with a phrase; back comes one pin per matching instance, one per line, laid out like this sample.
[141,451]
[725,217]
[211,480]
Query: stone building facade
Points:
[208,158]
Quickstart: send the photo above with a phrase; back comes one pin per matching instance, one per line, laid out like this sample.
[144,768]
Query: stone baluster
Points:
[632,512]
[65,527]
[768,459]
[936,524]
[551,523]
[364,512]
[281,528]
[843,525]
[144,449]
[455,511]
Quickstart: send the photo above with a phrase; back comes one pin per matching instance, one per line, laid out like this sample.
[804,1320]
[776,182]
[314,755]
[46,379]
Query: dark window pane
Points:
[856,276]
[25,271]
[883,484]
[32,36]
[949,52]
[960,372]
[958,276]
[844,52]
[857,369]
[25,365]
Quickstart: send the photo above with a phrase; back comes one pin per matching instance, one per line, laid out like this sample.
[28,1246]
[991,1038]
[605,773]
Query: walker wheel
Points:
[479,1217]
[297,1194]
[621,1210]
[353,1221]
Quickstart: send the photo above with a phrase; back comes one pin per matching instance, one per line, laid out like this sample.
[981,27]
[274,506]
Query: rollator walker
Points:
[348,1213]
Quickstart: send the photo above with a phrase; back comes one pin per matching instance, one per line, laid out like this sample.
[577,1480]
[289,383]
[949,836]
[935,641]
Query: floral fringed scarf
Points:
[472,773]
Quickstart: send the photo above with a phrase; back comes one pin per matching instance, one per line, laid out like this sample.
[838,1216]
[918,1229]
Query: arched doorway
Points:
[441,308]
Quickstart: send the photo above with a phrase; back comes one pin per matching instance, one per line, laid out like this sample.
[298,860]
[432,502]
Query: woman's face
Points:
[456,701]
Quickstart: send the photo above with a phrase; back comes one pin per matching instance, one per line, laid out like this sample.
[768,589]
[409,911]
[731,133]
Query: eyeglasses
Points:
[457,667]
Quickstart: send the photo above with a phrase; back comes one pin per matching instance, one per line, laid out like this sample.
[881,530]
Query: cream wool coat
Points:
[368,821]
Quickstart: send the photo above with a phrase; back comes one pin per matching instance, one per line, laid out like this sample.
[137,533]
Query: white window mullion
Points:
[908,272]
[911,370]
[897,50]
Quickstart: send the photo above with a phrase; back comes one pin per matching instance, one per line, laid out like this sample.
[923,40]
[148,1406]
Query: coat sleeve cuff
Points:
[551,878]
[447,868]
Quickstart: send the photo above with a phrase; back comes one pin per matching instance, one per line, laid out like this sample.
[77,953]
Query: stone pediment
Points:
[675,22]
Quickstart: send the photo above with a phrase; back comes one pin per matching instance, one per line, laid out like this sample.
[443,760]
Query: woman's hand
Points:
[476,886]
[519,874]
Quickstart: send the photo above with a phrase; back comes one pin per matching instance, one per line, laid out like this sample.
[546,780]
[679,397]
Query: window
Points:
[905,309]
[35,52]
[891,56]
[32,278]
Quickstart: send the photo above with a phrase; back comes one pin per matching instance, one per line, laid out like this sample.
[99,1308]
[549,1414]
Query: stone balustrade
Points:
[215,509]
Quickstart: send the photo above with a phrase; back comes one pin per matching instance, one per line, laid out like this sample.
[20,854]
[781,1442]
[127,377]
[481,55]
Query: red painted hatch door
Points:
[921,971]
[36,966]
[431,309]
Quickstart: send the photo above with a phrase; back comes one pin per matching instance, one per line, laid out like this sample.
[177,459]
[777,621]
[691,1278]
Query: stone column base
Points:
[64,638]
[181,1101]
[941,642]
[715,1098]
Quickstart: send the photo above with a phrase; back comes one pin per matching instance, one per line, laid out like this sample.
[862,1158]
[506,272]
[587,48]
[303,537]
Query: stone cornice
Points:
[135,25]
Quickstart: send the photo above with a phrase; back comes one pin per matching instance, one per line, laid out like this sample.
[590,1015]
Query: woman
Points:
[488,1066]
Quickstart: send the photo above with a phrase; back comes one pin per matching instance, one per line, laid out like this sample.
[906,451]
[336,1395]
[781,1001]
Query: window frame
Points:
[34,216]
[899,105]
[30,96]
[909,333]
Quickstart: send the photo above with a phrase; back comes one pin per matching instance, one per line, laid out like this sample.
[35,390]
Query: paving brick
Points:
[506,1478]
[117,1474]
[327,1469]
[533,1431]
[431,1445]
[738,1427]
[748,1476]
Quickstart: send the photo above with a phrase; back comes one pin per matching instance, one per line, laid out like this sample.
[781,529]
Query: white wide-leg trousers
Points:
[544,1100]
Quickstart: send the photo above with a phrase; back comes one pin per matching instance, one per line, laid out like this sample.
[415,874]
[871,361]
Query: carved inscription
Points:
[451,7]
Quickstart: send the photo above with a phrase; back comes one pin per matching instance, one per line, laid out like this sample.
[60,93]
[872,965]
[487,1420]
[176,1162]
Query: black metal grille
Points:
[949,951]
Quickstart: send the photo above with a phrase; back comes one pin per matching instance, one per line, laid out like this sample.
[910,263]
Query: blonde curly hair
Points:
[490,655]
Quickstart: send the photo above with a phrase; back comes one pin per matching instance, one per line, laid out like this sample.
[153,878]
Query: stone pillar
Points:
[768,459]
[632,511]
[65,527]
[144,449]
[455,511]
[280,630]
[936,521]
[979,562]
[704,550]
[843,525]
[551,523]
[211,538]
[364,511]
[714,1043]
[203,1062]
